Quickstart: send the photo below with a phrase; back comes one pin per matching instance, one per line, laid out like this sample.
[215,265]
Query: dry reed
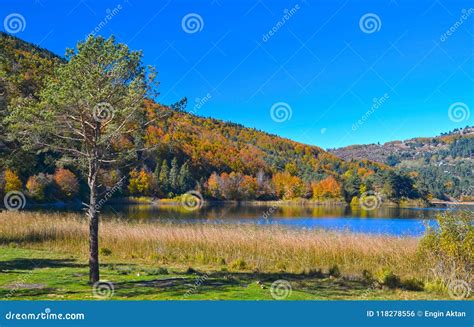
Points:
[236,247]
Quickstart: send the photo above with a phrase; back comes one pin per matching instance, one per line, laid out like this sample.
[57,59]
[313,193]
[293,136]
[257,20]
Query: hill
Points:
[443,165]
[222,160]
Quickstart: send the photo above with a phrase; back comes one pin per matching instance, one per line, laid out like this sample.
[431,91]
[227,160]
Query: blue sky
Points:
[322,62]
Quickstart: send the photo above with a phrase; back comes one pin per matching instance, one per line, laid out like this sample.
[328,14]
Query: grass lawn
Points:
[46,275]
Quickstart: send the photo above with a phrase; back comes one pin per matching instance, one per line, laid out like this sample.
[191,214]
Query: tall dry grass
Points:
[241,247]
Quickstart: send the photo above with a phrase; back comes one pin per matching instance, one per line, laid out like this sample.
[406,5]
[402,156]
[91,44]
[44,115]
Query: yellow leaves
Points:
[288,186]
[140,182]
[12,181]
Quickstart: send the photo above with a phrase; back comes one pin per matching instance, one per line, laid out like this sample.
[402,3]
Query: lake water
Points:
[384,220]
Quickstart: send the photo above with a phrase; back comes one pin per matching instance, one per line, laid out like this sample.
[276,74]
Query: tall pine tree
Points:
[184,178]
[156,177]
[173,177]
[164,184]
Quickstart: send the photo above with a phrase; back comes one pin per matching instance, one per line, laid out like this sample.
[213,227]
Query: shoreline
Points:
[249,203]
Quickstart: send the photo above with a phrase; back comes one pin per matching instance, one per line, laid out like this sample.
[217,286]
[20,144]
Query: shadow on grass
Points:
[182,285]
[222,282]
[32,263]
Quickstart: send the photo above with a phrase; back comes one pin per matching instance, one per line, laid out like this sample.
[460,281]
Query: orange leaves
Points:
[327,188]
[67,182]
[233,186]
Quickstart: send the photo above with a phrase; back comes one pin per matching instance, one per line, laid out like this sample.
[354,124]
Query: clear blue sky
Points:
[320,61]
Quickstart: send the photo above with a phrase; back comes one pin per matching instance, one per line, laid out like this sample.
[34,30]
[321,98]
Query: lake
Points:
[383,220]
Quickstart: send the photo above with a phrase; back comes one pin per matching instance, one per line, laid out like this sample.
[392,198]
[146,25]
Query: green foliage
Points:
[185,182]
[351,187]
[163,181]
[397,186]
[449,248]
[462,147]
[173,175]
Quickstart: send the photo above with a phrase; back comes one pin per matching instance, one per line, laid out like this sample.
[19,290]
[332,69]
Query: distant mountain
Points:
[448,146]
[444,163]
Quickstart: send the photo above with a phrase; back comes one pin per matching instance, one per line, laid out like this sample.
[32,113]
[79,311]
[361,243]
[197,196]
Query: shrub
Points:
[35,189]
[387,278]
[436,286]
[450,246]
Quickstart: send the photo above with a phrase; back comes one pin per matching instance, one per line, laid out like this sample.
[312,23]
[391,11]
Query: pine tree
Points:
[173,177]
[156,177]
[157,171]
[184,178]
[164,178]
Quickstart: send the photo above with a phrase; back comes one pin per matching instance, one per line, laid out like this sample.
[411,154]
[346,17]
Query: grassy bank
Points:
[48,275]
[242,247]
[155,261]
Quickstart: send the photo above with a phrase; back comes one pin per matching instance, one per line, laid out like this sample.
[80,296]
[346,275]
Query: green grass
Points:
[30,274]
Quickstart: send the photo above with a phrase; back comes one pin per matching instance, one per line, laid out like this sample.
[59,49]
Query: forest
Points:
[222,160]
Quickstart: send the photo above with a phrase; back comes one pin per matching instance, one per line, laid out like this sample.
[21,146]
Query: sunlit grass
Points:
[235,247]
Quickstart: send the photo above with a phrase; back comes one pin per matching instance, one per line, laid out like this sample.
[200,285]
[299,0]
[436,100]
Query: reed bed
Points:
[232,247]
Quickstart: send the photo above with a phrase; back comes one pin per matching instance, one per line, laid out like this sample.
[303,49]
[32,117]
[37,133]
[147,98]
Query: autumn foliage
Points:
[140,182]
[328,188]
[12,181]
[67,182]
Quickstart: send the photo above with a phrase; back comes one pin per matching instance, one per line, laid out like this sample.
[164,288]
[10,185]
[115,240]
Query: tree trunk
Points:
[93,215]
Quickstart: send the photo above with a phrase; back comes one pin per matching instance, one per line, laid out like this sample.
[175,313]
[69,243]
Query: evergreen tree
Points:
[163,180]
[184,178]
[156,177]
[351,187]
[157,171]
[173,177]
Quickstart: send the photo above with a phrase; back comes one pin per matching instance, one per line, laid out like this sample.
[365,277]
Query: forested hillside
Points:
[442,166]
[222,160]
